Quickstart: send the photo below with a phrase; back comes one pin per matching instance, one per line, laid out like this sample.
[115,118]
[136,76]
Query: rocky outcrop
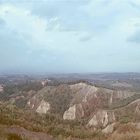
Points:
[39,105]
[103,106]
[33,103]
[102,118]
[137,125]
[70,114]
[74,112]
[109,129]
[1,88]
[43,108]
[83,92]
[88,99]
[85,100]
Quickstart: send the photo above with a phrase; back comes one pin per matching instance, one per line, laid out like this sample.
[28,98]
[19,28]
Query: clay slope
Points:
[81,101]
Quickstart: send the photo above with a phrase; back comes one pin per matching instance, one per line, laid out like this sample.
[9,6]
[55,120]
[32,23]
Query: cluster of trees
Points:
[124,102]
[18,89]
[59,97]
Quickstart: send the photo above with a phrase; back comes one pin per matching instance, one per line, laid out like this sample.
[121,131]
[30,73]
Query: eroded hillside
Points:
[69,109]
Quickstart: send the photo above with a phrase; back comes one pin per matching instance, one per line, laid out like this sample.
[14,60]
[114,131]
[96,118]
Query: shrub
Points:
[13,137]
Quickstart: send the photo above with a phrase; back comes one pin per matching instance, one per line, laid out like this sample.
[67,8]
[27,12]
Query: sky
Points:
[69,36]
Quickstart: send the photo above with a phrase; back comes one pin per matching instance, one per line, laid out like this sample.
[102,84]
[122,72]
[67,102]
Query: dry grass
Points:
[126,128]
[125,136]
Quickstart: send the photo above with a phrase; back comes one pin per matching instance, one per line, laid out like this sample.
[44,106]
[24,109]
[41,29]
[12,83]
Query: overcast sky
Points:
[69,36]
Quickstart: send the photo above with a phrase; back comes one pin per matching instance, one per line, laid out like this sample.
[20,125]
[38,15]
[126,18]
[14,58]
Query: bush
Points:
[13,137]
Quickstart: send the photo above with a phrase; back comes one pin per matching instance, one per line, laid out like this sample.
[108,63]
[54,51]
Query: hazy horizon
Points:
[69,36]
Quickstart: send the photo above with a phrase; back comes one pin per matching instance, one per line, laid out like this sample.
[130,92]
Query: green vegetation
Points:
[21,103]
[14,137]
[18,89]
[50,124]
[125,119]
[124,102]
[10,136]
[59,97]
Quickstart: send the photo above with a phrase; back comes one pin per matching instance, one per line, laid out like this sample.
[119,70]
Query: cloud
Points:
[30,27]
[135,38]
[20,34]
[69,35]
[71,16]
[85,36]
[98,8]
[2,22]
[134,27]
[135,3]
